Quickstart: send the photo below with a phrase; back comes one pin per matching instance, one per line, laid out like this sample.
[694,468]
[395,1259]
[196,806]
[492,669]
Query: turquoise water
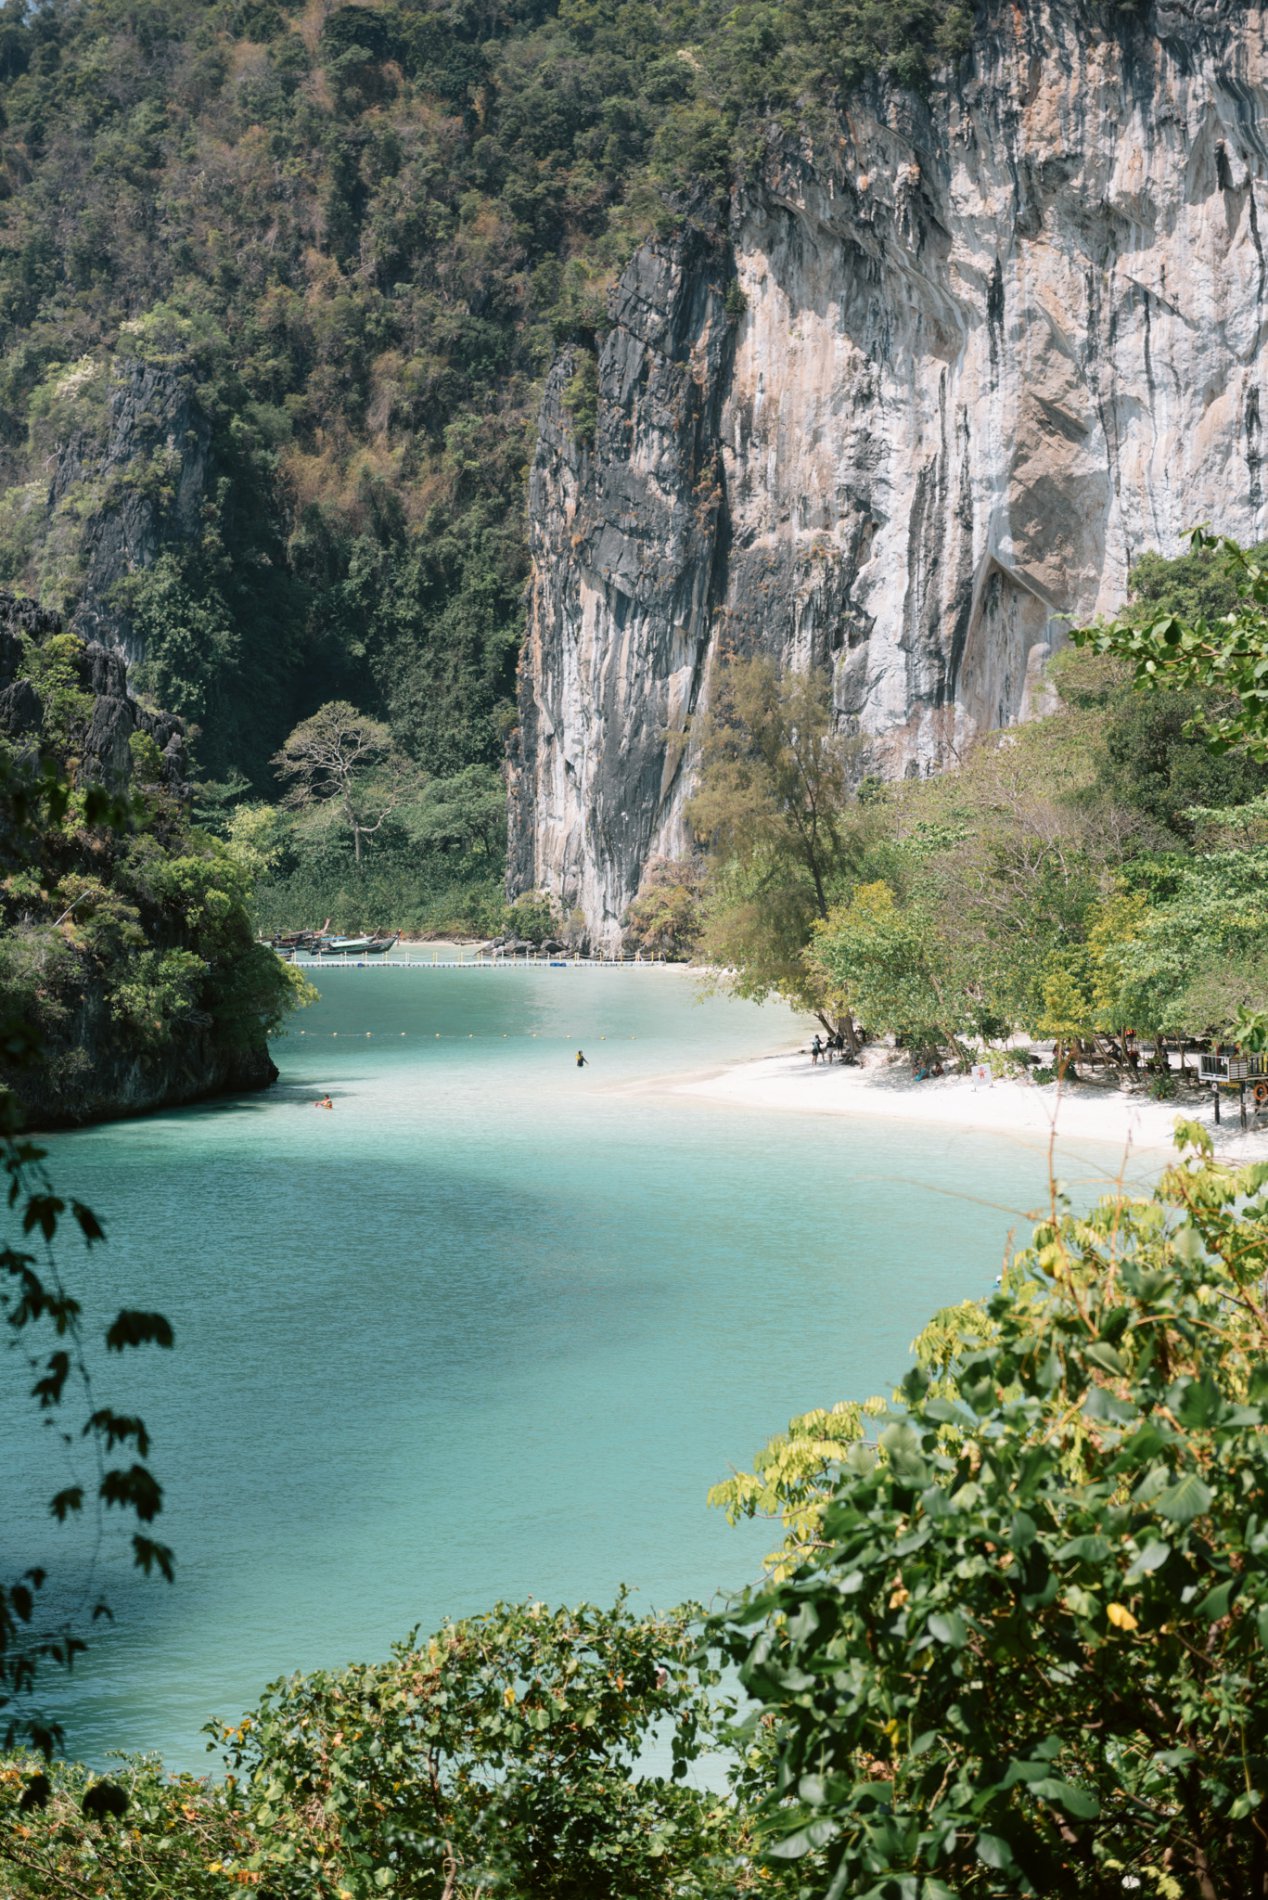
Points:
[490,1328]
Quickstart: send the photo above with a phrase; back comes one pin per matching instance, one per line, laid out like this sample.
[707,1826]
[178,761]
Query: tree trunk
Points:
[847,1027]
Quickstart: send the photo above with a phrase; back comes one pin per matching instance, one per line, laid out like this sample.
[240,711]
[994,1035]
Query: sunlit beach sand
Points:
[884,1086]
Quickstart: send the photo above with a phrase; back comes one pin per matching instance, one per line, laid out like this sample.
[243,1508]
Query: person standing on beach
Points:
[816,1048]
[581,1060]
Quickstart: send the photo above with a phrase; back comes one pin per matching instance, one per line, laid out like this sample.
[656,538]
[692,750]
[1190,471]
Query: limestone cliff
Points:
[920,402]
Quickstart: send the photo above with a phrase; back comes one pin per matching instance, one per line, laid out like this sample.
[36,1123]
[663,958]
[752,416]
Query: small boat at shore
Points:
[297,940]
[355,946]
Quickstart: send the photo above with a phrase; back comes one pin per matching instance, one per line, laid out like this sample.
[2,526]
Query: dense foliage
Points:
[126,945]
[499,1756]
[1212,635]
[1027,1653]
[365,839]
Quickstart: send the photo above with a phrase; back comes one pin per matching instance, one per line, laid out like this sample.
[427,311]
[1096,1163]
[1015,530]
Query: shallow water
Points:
[490,1328]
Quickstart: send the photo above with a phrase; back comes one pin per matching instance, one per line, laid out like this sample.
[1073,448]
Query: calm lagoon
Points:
[491,1327]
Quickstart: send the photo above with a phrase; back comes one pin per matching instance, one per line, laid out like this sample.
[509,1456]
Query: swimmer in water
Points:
[581,1060]
[325,1102]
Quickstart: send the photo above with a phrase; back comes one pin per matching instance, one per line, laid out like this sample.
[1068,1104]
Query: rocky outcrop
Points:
[628,577]
[140,486]
[69,1049]
[97,1077]
[105,751]
[917,406]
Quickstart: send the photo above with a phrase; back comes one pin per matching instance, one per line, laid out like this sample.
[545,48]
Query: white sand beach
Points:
[884,1087]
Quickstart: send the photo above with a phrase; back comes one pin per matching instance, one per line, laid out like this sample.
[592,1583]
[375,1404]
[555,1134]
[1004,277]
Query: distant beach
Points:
[885,1087]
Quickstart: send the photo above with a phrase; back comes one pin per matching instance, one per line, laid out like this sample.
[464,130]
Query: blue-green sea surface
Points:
[489,1328]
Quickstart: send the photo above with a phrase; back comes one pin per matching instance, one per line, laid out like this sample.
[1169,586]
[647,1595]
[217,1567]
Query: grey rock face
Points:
[977,359]
[150,474]
[105,751]
[627,543]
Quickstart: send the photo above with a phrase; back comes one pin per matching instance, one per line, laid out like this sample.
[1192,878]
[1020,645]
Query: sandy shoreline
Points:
[884,1088]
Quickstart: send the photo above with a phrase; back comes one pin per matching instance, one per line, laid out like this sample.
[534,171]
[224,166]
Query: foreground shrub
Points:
[497,1754]
[1028,1658]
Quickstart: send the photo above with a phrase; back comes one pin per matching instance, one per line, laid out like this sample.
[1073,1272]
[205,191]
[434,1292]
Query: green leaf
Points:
[1185,1500]
[949,1628]
[1089,1550]
[901,1445]
[1022,1532]
[1198,1404]
[993,1852]
[1076,1801]
[814,1835]
[1151,1558]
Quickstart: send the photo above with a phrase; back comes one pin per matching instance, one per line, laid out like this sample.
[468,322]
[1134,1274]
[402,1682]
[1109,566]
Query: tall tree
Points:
[342,758]
[785,833]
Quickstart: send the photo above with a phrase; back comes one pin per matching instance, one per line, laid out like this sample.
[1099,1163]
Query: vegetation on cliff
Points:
[129,973]
[279,283]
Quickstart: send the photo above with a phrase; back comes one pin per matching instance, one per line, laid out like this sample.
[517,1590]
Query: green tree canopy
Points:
[1207,642]
[341,762]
